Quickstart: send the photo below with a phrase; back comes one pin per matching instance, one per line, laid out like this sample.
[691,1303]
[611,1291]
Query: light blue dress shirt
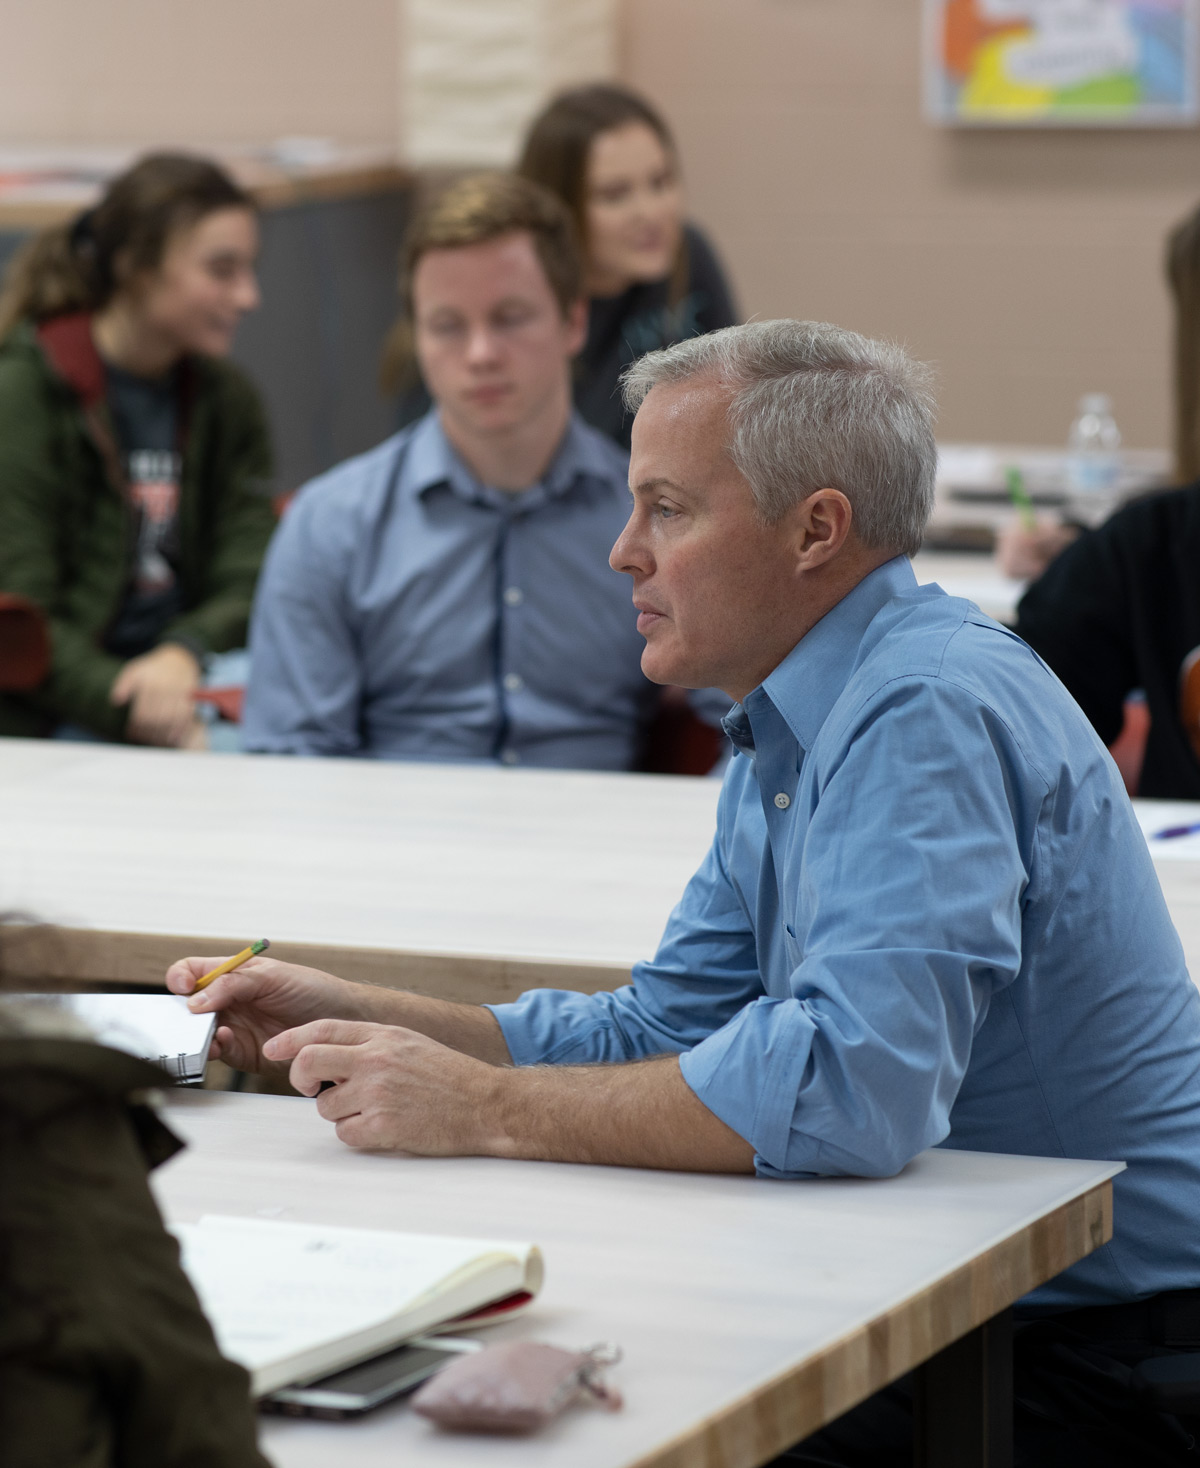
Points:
[928,917]
[407,611]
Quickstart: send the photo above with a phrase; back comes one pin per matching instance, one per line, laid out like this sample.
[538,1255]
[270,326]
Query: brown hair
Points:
[73,267]
[560,138]
[1183,273]
[472,211]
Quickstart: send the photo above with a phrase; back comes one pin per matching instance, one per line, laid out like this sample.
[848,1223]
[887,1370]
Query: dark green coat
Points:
[66,528]
[105,1358]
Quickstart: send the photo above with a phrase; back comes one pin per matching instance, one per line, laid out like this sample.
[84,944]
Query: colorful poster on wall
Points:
[1061,62]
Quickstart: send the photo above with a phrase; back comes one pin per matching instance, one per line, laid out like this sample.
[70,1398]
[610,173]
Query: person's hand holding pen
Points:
[261,998]
[1026,545]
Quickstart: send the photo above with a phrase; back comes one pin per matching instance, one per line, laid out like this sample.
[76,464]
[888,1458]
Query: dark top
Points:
[625,327]
[1120,610]
[105,1356]
[66,523]
[145,414]
[642,319]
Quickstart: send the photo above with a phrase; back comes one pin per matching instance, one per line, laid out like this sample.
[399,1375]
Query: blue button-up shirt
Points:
[928,916]
[407,611]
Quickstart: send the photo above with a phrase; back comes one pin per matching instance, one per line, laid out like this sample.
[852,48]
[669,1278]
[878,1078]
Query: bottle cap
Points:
[1098,403]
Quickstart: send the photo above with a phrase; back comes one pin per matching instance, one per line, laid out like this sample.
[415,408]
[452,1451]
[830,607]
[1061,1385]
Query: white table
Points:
[470,882]
[971,495]
[750,1312]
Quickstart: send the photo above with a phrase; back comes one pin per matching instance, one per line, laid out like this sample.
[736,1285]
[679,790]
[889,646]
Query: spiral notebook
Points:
[156,1027]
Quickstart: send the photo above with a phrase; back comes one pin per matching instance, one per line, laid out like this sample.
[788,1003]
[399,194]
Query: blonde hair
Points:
[483,207]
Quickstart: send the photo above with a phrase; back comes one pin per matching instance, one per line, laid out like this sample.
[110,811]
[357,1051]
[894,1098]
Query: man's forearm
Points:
[638,1114]
[468,1028]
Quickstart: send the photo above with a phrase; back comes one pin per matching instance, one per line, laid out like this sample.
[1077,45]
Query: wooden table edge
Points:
[95,956]
[800,1399]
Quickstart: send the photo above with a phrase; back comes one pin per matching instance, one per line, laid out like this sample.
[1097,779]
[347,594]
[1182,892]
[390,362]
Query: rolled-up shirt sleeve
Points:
[705,970]
[909,891]
[900,906]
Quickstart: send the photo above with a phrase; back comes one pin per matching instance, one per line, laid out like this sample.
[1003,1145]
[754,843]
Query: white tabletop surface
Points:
[713,1286]
[582,869]
[360,853]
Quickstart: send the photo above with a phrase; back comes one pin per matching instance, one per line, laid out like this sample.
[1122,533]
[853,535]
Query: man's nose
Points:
[629,554]
[481,345]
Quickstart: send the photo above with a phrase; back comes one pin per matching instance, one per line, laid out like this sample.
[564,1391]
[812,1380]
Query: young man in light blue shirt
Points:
[928,915]
[448,596]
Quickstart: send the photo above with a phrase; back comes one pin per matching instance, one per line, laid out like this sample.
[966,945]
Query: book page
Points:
[274,1290]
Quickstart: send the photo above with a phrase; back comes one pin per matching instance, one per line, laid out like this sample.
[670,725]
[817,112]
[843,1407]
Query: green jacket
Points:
[106,1360]
[66,526]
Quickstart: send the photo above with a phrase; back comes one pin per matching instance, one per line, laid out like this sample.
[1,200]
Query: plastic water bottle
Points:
[1093,446]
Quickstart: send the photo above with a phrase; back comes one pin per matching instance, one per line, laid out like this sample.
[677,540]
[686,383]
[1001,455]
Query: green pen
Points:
[1020,498]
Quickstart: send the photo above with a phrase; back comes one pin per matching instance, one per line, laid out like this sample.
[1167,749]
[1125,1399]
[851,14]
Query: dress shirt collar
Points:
[806,685]
[432,462]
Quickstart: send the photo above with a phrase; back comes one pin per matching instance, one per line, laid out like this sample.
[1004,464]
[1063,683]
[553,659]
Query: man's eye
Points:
[665,512]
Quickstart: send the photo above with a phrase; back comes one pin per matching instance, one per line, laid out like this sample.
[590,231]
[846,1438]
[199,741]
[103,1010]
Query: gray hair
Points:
[816,407]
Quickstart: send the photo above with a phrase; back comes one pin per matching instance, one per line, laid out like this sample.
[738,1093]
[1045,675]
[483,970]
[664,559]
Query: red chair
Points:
[24,644]
[677,742]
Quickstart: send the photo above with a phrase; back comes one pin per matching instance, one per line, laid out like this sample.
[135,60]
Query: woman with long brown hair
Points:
[651,277]
[134,461]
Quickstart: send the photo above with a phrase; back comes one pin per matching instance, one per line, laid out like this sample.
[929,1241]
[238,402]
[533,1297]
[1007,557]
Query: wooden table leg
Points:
[963,1401]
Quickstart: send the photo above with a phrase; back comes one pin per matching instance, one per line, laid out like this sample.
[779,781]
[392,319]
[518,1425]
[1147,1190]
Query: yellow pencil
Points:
[260,945]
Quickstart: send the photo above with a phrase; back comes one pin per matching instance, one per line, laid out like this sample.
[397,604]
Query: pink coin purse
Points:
[517,1386]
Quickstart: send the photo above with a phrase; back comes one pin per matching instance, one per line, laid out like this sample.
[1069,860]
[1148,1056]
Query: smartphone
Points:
[358,1389]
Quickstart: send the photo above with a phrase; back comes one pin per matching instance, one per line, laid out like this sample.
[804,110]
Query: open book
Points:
[157,1027]
[293,1301]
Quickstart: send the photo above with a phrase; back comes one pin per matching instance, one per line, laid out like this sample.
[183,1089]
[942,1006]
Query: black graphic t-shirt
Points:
[145,413]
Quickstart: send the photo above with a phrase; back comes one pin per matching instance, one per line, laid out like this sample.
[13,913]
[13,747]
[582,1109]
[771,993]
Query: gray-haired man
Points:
[928,915]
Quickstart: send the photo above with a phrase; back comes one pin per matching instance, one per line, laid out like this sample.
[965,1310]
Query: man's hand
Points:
[158,687]
[393,1089]
[260,999]
[398,1090]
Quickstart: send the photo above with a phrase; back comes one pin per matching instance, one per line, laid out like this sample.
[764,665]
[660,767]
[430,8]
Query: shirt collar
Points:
[807,684]
[431,462]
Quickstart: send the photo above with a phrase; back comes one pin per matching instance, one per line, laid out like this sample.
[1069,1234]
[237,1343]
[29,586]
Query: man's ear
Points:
[821,527]
[576,321]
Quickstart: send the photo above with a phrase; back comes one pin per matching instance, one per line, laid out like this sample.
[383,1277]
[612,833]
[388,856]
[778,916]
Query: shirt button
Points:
[783,801]
[513,682]
[509,757]
[513,596]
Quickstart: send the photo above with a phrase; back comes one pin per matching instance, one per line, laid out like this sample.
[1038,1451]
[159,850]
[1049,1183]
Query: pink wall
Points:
[201,72]
[1026,265]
